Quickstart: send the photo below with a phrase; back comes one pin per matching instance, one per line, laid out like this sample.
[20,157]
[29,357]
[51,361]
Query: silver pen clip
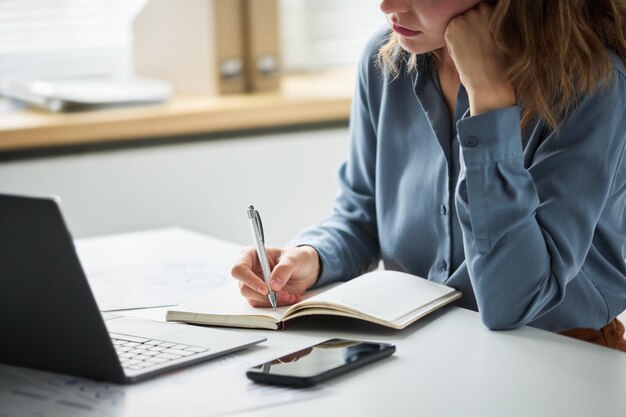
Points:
[259,224]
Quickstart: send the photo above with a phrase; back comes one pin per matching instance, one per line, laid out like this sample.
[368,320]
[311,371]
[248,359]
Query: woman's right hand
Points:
[294,270]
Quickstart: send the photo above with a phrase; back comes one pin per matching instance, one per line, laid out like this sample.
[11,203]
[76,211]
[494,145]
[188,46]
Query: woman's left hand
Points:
[479,61]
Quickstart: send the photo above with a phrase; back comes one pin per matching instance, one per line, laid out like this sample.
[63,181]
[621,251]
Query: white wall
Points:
[204,186]
[320,34]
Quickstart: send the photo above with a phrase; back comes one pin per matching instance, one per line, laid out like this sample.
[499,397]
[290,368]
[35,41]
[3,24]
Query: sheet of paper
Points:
[154,268]
[213,389]
[26,392]
[221,388]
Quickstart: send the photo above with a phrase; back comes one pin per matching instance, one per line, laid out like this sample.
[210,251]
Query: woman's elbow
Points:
[509,312]
[499,320]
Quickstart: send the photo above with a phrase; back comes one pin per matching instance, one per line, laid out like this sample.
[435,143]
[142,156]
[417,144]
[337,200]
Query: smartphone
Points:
[320,362]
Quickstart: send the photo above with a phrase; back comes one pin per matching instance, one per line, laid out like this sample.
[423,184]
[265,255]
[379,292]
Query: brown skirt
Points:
[611,335]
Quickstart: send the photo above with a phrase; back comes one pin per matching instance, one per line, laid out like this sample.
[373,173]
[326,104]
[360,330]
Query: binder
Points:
[197,45]
[230,47]
[262,52]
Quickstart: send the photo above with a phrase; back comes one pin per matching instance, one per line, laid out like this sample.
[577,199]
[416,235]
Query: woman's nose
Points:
[394,6]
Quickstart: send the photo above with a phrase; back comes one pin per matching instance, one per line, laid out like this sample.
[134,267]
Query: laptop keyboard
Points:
[138,353]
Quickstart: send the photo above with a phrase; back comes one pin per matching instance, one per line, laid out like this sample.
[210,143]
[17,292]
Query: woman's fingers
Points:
[294,270]
[255,299]
[243,272]
[258,300]
[481,64]
[282,272]
[286,299]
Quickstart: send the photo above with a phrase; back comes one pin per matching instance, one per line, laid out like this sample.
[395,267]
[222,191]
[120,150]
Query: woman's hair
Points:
[557,51]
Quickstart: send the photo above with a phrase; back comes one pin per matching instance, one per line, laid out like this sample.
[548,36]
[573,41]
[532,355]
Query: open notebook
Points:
[389,298]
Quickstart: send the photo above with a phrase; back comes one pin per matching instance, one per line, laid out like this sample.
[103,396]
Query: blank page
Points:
[388,295]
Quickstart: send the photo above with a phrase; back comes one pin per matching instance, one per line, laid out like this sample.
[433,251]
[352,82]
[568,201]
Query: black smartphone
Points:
[320,362]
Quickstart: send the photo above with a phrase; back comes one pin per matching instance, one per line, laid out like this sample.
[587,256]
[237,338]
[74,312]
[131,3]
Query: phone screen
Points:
[316,363]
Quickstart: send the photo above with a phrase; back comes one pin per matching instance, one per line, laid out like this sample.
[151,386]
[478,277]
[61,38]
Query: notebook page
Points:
[226,300]
[387,295]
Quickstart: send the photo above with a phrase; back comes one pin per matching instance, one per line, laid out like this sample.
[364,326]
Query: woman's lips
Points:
[404,31]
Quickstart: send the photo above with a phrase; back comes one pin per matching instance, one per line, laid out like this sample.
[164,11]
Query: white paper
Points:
[216,388]
[154,268]
[26,392]
[221,388]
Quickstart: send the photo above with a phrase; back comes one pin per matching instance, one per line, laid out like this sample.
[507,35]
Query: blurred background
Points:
[252,107]
[65,38]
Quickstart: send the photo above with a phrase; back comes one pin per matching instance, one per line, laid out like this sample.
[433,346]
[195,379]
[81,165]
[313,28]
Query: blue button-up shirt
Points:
[530,226]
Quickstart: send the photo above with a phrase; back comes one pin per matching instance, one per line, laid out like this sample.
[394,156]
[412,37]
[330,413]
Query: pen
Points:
[259,242]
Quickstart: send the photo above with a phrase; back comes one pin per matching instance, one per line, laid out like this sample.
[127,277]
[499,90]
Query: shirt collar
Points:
[425,63]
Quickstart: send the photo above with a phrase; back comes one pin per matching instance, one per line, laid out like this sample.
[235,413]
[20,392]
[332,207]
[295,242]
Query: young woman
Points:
[487,153]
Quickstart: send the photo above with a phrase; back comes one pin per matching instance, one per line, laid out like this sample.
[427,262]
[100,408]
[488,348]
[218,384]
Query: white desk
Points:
[446,364]
[451,365]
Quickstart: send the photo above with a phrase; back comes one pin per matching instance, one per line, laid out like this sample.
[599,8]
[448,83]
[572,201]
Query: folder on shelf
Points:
[262,44]
[229,45]
[198,45]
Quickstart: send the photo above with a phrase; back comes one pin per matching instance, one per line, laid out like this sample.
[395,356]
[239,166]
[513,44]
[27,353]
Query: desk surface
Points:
[303,99]
[446,364]
[449,364]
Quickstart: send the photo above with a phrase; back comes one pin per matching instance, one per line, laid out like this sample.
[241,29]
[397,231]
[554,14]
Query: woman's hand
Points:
[294,270]
[479,61]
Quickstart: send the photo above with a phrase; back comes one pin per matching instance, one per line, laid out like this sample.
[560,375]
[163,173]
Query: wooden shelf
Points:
[303,99]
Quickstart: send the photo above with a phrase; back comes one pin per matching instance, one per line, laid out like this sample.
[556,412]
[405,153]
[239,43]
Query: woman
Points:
[487,146]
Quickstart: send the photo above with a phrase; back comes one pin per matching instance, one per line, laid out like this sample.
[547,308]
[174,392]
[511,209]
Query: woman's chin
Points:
[414,46]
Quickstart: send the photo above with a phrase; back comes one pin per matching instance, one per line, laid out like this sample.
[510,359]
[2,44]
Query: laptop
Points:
[49,319]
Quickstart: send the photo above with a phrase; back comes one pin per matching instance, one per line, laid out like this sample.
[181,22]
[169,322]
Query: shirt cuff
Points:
[491,136]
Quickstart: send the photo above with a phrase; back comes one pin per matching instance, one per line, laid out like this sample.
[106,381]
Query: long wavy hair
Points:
[556,50]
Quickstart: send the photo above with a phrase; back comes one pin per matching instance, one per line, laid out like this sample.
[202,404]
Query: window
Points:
[75,38]
[65,38]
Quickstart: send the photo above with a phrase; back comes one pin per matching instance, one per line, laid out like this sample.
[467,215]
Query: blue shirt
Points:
[530,227]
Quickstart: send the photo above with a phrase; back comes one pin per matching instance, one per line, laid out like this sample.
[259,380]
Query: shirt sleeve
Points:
[347,241]
[528,229]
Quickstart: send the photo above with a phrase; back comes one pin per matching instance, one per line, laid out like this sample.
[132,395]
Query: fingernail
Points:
[261,289]
[277,283]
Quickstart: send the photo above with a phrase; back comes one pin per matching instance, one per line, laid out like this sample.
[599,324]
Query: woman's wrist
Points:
[315,262]
[490,97]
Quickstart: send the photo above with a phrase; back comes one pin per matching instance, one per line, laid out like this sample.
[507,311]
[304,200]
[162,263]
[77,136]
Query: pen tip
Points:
[250,207]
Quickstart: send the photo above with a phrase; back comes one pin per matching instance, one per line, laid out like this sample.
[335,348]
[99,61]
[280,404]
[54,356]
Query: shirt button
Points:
[442,209]
[470,141]
[443,265]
